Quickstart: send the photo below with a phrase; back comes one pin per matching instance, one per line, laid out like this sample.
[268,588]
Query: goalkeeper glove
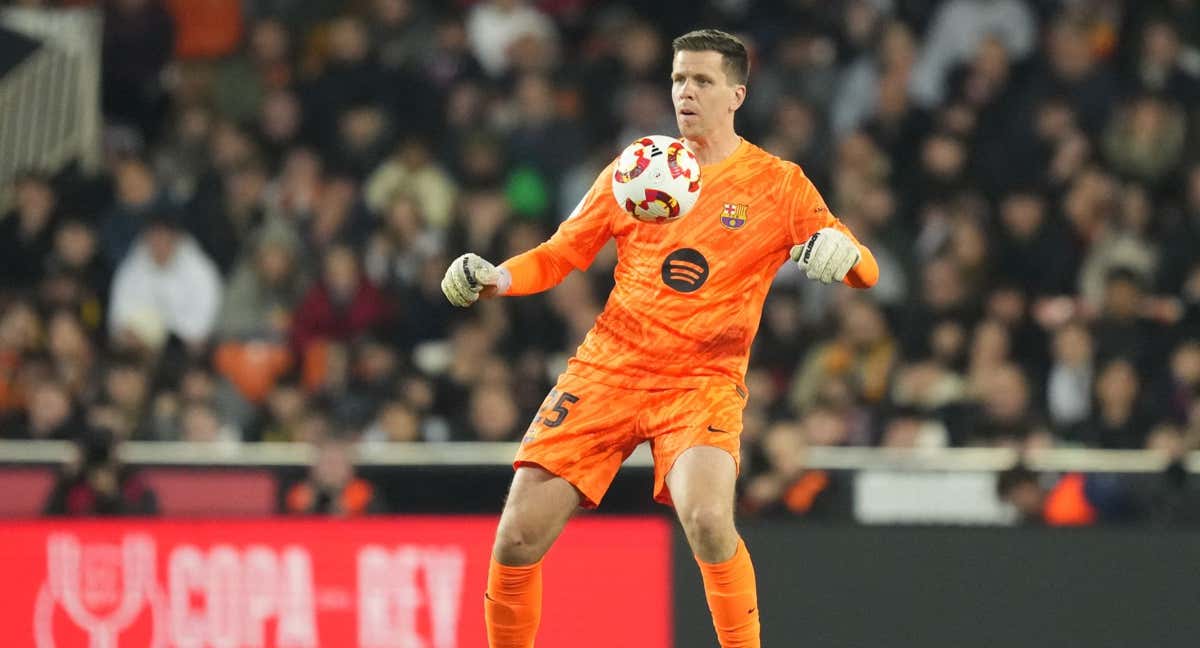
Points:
[469,275]
[827,255]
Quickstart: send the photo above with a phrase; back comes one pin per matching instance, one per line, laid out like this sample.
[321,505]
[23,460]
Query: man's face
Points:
[161,243]
[704,97]
[333,468]
[49,408]
[341,272]
[1026,497]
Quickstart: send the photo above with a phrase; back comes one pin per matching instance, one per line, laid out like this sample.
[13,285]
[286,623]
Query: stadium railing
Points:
[501,454]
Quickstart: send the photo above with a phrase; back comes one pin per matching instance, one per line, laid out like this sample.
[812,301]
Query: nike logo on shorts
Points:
[713,429]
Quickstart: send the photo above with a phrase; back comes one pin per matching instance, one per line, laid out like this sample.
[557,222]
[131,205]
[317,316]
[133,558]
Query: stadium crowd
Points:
[286,180]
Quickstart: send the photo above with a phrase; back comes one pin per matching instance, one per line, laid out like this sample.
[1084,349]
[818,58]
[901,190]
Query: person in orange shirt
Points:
[666,359]
[332,487]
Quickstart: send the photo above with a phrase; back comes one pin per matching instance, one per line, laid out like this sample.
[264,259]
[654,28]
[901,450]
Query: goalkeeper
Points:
[665,362]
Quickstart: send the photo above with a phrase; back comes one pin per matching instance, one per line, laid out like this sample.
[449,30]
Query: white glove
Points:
[827,256]
[467,277]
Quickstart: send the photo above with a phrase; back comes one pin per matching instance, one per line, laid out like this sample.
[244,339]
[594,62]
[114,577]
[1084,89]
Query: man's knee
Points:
[709,528]
[521,542]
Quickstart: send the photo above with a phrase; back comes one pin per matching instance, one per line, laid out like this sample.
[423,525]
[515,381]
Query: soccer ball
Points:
[657,179]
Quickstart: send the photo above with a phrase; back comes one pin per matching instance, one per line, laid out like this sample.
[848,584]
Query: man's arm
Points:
[833,254]
[866,273]
[533,271]
[824,247]
[573,246]
[471,276]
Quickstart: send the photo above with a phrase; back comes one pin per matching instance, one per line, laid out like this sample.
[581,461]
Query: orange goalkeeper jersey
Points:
[689,294]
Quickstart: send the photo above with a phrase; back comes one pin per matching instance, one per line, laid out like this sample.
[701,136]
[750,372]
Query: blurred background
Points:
[223,225]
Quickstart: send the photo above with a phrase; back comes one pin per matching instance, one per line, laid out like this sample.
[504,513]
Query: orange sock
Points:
[733,599]
[512,605]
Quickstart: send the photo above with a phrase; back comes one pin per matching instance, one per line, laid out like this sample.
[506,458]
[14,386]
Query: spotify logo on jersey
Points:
[685,270]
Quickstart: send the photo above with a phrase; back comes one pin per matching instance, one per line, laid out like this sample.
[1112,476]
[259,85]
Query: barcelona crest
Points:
[733,216]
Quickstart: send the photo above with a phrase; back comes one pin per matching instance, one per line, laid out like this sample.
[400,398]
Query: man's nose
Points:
[687,90]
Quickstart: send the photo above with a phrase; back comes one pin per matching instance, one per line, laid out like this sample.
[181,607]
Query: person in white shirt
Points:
[494,27]
[166,285]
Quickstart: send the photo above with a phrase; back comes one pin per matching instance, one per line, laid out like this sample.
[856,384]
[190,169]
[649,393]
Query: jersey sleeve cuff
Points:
[503,280]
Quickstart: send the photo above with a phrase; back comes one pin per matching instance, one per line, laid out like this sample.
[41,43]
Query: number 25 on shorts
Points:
[553,415]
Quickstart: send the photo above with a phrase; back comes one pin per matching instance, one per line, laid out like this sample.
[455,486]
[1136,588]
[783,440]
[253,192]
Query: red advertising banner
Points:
[410,582]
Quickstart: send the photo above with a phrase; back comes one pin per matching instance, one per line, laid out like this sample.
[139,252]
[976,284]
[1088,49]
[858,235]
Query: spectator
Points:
[1033,250]
[1023,489]
[929,387]
[284,412]
[279,125]
[450,59]
[1118,419]
[824,426]
[991,349]
[1145,139]
[50,413]
[492,414]
[342,305]
[1006,415]
[364,136]
[402,32]
[199,422]
[1181,391]
[74,356]
[548,143]
[183,156]
[27,232]
[264,64]
[412,170]
[76,253]
[1121,243]
[1078,499]
[125,399]
[138,199]
[942,297]
[94,482]
[1179,243]
[1069,388]
[986,90]
[20,333]
[955,29]
[265,288]
[400,246]
[495,28]
[805,67]
[139,38]
[1074,71]
[337,216]
[1007,305]
[233,207]
[1158,65]
[798,134]
[857,91]
[1120,330]
[786,487]
[349,75]
[331,487]
[863,352]
[396,421]
[166,286]
[908,428]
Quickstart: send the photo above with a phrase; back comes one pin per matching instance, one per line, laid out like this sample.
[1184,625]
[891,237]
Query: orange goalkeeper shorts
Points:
[584,430]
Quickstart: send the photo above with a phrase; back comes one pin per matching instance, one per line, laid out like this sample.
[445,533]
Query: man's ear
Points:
[739,97]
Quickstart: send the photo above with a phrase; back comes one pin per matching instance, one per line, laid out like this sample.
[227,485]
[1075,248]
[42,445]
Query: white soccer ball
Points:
[657,179]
